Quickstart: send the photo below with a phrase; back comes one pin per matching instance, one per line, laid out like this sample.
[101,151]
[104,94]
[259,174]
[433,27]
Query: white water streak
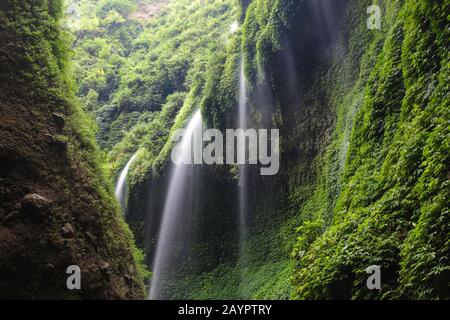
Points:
[121,183]
[243,174]
[174,206]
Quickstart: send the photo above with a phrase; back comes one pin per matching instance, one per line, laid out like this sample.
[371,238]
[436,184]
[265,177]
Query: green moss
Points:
[384,207]
[376,192]
[263,26]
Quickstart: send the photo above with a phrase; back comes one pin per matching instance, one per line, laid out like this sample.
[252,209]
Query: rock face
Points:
[49,194]
[56,143]
[59,119]
[35,204]
[67,231]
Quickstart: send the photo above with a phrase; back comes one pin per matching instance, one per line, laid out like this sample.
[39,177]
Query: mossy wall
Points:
[364,143]
[363,119]
[383,191]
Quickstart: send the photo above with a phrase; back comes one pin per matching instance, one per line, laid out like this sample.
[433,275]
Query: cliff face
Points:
[364,140]
[363,118]
[56,205]
[382,195]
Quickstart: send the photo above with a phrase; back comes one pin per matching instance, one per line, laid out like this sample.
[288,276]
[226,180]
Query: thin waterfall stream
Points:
[243,174]
[170,235]
[121,184]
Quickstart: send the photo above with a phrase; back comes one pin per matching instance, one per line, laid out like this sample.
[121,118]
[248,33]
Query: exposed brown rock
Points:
[67,231]
[34,204]
[11,216]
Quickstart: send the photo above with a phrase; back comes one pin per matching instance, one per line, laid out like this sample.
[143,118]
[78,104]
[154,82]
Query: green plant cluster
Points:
[263,25]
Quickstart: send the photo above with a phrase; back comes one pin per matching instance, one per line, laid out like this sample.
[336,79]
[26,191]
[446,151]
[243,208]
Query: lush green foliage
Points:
[264,23]
[381,192]
[391,208]
[127,68]
[375,190]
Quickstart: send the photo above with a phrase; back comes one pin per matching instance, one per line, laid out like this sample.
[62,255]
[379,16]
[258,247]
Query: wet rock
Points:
[67,231]
[34,204]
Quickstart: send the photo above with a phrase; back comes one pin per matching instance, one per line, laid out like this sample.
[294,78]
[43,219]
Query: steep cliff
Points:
[56,204]
[363,117]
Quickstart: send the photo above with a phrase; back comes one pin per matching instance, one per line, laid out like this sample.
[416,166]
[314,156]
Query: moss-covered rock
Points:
[59,201]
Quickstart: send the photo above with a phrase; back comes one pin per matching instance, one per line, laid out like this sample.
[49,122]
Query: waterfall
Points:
[243,175]
[242,112]
[175,208]
[121,184]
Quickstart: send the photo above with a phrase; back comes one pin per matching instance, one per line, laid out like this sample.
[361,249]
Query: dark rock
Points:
[11,216]
[91,237]
[15,189]
[49,267]
[59,144]
[67,231]
[34,204]
[2,214]
[104,265]
[59,119]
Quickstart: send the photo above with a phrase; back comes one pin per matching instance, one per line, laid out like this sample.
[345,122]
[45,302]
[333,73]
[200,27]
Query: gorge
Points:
[260,149]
